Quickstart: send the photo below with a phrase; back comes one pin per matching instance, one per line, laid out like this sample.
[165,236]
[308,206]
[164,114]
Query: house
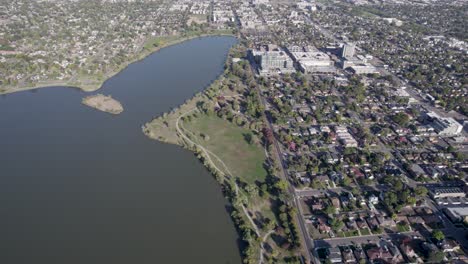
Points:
[324,178]
[431,219]
[335,202]
[302,176]
[361,224]
[379,253]
[292,146]
[336,176]
[429,247]
[333,158]
[334,255]
[362,201]
[348,256]
[322,225]
[386,221]
[407,248]
[351,224]
[344,200]
[317,204]
[372,222]
[386,252]
[359,255]
[357,172]
[373,199]
[369,175]
[313,131]
[448,245]
[416,220]
[325,129]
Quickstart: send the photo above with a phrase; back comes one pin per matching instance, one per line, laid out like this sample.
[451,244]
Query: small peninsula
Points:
[103,103]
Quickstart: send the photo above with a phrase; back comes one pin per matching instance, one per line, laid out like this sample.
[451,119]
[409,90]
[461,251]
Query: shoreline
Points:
[171,131]
[96,86]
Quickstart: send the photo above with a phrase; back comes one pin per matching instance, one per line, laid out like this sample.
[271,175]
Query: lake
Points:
[83,186]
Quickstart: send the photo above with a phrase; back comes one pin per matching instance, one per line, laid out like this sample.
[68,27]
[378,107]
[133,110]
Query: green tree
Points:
[438,235]
[400,118]
[281,185]
[420,191]
[436,256]
[330,209]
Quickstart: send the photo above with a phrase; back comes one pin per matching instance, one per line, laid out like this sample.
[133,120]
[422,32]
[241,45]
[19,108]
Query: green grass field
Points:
[226,140]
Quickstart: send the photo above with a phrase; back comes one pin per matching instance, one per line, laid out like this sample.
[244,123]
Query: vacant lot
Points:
[227,141]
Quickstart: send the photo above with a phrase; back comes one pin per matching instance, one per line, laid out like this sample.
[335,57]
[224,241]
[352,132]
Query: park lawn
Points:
[158,42]
[226,140]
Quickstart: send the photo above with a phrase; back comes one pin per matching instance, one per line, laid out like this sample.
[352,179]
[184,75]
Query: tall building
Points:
[273,59]
[348,50]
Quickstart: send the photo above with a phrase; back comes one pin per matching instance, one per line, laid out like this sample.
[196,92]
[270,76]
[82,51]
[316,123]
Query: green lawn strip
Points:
[352,233]
[403,228]
[365,232]
[226,140]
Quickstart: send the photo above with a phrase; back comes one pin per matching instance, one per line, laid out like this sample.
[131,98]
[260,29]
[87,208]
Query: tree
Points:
[336,224]
[346,181]
[438,235]
[248,137]
[411,200]
[268,134]
[330,209]
[252,190]
[281,185]
[420,191]
[436,256]
[269,225]
[450,149]
[400,118]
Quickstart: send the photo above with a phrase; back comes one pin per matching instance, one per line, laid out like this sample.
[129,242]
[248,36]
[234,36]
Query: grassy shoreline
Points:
[95,85]
[230,145]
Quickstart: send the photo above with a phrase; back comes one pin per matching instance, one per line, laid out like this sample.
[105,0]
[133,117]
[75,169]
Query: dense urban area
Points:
[338,129]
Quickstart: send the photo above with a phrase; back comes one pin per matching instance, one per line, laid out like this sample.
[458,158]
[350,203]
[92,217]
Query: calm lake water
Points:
[81,186]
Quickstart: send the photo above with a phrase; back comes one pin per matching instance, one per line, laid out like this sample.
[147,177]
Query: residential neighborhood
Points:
[378,168]
[350,117]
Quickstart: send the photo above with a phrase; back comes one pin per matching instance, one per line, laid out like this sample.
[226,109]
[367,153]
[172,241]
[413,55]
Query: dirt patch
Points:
[103,103]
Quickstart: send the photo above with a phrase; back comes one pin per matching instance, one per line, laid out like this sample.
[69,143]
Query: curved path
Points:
[207,154]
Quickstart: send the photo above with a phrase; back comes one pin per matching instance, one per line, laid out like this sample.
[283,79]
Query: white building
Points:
[358,66]
[273,60]
[444,126]
[345,137]
[348,50]
[311,60]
